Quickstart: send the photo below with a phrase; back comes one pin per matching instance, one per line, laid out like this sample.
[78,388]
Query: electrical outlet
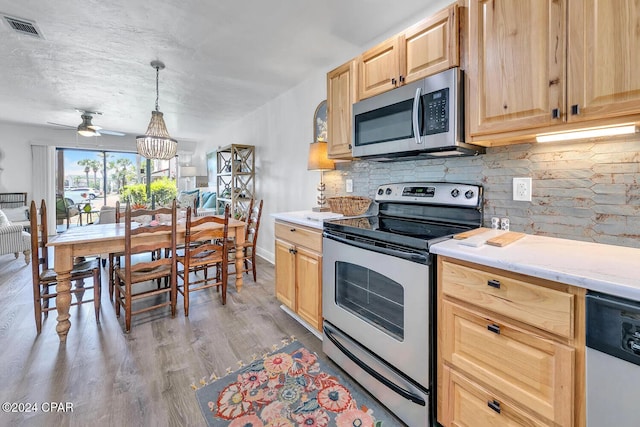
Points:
[349,185]
[522,189]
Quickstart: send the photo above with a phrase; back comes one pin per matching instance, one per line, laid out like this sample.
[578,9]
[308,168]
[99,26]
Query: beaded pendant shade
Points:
[156,142]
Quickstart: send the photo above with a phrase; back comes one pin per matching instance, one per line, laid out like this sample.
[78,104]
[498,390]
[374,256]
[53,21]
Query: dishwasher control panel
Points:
[613,326]
[631,337]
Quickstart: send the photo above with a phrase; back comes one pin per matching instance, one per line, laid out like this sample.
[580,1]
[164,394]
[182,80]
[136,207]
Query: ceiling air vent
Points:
[23,27]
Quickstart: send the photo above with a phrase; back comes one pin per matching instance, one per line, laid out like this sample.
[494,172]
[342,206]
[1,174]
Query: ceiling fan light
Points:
[88,132]
[156,143]
[86,128]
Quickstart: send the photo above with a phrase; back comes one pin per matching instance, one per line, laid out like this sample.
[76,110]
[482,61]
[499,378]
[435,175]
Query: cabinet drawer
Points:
[299,235]
[535,372]
[472,405]
[539,306]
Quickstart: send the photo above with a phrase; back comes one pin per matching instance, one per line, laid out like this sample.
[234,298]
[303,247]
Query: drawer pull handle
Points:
[494,283]
[495,405]
[494,328]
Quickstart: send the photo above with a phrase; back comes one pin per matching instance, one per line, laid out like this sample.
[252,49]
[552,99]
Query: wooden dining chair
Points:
[139,269]
[249,245]
[45,278]
[205,245]
[114,258]
[137,215]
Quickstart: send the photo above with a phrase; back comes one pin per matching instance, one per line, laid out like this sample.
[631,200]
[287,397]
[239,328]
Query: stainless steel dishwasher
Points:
[613,361]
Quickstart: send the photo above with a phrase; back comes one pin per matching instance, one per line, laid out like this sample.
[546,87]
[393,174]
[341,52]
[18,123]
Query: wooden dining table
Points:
[109,238]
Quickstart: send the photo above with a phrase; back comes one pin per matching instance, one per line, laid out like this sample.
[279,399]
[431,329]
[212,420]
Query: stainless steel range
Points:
[379,288]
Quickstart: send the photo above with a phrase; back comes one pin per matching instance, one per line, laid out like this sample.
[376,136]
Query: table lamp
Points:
[318,161]
[188,172]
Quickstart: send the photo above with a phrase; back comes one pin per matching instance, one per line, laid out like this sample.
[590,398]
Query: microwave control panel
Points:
[436,112]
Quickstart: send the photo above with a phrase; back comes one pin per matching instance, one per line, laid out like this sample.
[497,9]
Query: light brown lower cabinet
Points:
[474,406]
[510,348]
[298,252]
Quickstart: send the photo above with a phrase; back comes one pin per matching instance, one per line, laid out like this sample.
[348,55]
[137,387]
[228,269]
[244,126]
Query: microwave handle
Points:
[415,117]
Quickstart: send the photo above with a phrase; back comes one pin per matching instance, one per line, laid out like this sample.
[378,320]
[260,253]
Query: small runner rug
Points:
[288,387]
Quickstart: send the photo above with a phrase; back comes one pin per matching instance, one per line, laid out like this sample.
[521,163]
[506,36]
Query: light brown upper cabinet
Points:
[341,94]
[516,64]
[426,48]
[604,59]
[542,66]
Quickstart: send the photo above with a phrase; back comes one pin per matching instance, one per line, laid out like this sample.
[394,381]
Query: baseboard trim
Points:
[301,321]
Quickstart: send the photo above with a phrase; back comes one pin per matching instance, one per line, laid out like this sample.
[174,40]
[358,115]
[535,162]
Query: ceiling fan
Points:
[86,128]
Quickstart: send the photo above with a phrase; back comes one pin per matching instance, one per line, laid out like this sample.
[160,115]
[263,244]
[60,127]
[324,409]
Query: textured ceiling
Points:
[223,58]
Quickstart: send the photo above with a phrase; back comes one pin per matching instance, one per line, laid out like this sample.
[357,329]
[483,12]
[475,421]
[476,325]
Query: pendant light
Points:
[156,142]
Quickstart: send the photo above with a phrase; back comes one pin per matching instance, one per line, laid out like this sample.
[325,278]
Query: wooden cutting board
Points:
[505,239]
[467,234]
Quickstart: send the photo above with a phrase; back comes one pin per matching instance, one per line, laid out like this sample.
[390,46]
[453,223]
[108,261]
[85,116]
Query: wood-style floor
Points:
[138,379]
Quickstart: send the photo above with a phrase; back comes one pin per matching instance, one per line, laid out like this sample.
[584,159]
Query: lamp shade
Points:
[187,171]
[318,159]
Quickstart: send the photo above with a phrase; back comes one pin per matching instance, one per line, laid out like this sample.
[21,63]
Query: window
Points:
[102,177]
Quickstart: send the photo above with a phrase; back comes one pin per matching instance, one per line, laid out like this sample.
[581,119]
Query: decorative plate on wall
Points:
[320,122]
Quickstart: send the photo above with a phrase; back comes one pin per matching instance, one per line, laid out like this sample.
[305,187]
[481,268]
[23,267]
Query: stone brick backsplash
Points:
[582,191]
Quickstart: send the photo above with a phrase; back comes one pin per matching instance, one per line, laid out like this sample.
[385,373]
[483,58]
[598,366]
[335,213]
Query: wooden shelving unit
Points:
[235,178]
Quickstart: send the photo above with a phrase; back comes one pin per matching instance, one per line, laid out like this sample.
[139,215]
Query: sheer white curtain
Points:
[43,160]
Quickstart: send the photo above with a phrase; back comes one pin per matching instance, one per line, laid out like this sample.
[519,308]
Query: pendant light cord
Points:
[157,91]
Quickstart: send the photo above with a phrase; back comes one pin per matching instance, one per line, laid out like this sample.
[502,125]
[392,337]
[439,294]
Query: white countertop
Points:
[308,218]
[604,268]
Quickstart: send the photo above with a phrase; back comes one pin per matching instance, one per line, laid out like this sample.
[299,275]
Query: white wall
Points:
[281,131]
[15,160]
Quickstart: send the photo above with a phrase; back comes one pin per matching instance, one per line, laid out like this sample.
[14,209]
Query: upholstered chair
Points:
[13,239]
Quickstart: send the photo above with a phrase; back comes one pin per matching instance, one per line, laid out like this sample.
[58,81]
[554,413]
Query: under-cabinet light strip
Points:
[624,129]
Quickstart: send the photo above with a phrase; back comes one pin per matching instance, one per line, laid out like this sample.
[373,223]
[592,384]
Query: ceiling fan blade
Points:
[60,124]
[111,132]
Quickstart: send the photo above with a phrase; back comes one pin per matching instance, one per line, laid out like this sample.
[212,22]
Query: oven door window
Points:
[374,298]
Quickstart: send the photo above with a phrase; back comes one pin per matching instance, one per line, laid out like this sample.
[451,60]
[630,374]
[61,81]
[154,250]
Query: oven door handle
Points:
[393,386]
[415,257]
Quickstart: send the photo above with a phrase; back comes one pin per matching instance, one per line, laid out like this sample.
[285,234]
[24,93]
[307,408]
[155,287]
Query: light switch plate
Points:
[522,189]
[349,185]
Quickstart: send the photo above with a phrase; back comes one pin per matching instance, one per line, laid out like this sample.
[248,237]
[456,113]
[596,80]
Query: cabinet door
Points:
[604,58]
[378,69]
[341,94]
[536,373]
[308,286]
[285,274]
[516,64]
[431,46]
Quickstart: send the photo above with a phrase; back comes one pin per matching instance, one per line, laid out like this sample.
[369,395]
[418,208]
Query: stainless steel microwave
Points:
[422,119]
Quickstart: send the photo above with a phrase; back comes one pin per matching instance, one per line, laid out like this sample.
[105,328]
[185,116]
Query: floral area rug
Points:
[286,388]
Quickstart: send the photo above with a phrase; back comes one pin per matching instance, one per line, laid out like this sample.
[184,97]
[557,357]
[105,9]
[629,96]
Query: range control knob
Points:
[388,191]
[469,194]
[380,191]
[455,192]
